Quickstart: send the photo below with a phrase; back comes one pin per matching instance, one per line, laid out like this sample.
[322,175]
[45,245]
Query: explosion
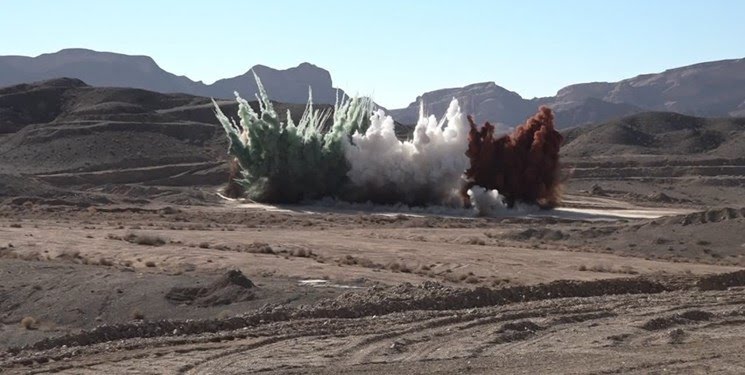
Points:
[288,163]
[523,166]
[355,156]
[425,170]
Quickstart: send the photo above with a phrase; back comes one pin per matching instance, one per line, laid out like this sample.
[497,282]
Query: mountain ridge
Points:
[706,89]
[110,69]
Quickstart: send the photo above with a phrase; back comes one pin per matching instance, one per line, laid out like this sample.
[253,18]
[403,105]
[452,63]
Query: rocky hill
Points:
[703,157]
[659,133]
[67,132]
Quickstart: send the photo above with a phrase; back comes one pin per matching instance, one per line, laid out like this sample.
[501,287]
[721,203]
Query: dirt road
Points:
[440,330]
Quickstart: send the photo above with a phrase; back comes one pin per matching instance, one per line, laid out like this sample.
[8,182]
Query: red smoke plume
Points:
[522,166]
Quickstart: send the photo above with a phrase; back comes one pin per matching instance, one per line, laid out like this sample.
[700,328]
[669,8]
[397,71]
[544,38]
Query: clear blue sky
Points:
[394,50]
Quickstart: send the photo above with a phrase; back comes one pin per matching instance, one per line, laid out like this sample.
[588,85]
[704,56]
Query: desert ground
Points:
[119,255]
[122,282]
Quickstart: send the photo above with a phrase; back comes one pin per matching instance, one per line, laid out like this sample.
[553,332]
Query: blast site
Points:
[287,230]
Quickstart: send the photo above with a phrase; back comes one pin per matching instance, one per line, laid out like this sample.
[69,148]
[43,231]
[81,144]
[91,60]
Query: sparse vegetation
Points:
[136,314]
[677,336]
[259,248]
[351,260]
[140,239]
[472,279]
[474,241]
[145,239]
[105,262]
[29,323]
[603,268]
[394,266]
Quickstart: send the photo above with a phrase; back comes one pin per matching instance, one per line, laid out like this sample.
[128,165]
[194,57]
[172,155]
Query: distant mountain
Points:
[483,100]
[106,69]
[94,68]
[708,89]
[712,89]
[286,86]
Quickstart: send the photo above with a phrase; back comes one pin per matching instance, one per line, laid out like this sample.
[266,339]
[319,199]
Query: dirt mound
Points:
[232,287]
[376,301]
[722,281]
[13,185]
[663,198]
[379,301]
[434,296]
[687,317]
[709,216]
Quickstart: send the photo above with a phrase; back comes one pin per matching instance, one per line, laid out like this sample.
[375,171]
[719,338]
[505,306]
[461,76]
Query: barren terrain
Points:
[116,287]
[117,254]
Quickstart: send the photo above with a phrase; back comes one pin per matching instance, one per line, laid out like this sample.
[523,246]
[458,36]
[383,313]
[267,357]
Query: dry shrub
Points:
[145,239]
[350,260]
[602,268]
[136,314]
[32,256]
[367,263]
[474,241]
[29,323]
[394,266]
[451,277]
[627,270]
[259,248]
[105,262]
[302,253]
[347,260]
[472,279]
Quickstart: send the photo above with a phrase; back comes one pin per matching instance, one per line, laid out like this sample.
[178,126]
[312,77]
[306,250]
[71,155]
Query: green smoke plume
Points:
[293,162]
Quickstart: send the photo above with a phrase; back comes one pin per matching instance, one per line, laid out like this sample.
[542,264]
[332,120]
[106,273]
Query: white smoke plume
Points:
[486,202]
[425,170]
